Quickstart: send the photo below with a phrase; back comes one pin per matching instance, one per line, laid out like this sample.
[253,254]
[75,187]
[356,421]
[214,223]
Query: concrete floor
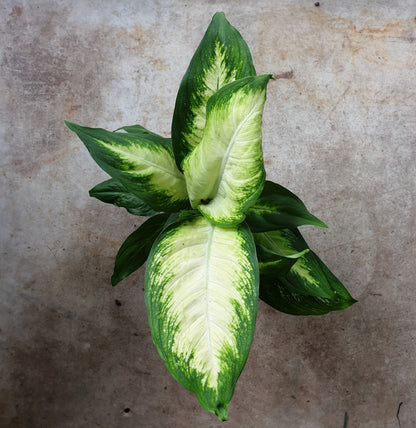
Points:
[340,133]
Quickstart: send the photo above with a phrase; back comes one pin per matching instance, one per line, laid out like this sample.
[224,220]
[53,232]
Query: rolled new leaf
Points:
[271,262]
[308,287]
[286,242]
[278,251]
[278,208]
[143,166]
[225,172]
[113,192]
[201,295]
[136,248]
[221,57]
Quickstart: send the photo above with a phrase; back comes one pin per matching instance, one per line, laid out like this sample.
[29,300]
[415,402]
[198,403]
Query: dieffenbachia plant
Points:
[218,236]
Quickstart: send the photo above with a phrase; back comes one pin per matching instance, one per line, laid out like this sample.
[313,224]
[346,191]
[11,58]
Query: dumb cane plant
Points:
[219,236]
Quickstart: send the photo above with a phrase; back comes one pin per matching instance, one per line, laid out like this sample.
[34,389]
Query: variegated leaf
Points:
[221,57]
[308,287]
[140,131]
[142,164]
[285,293]
[225,172]
[276,255]
[202,295]
[286,242]
[278,208]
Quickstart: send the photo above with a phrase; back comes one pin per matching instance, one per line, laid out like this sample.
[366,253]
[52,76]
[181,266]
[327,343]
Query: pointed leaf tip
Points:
[141,162]
[113,192]
[278,208]
[201,292]
[307,288]
[222,57]
[70,125]
[219,15]
[221,412]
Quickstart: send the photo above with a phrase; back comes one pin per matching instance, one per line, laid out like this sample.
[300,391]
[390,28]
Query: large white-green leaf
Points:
[221,57]
[225,172]
[141,161]
[202,295]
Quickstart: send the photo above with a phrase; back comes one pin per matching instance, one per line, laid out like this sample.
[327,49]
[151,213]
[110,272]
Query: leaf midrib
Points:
[206,291]
[117,149]
[228,151]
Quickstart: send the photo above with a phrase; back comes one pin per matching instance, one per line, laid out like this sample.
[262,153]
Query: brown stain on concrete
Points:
[284,75]
[399,27]
[55,77]
[376,44]
[137,38]
[373,43]
[16,12]
[351,358]
[140,41]
[72,105]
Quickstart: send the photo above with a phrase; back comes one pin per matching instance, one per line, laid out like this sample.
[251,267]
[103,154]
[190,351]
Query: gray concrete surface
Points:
[340,133]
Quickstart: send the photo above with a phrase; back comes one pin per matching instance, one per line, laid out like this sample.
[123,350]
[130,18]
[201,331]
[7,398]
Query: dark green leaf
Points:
[278,264]
[279,293]
[307,278]
[113,192]
[308,287]
[136,248]
[221,58]
[278,208]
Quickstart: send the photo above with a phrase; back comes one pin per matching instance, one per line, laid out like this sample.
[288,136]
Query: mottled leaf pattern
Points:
[221,57]
[225,172]
[144,167]
[202,295]
[142,132]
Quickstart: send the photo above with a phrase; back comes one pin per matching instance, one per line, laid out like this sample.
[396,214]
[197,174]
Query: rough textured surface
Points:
[338,131]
